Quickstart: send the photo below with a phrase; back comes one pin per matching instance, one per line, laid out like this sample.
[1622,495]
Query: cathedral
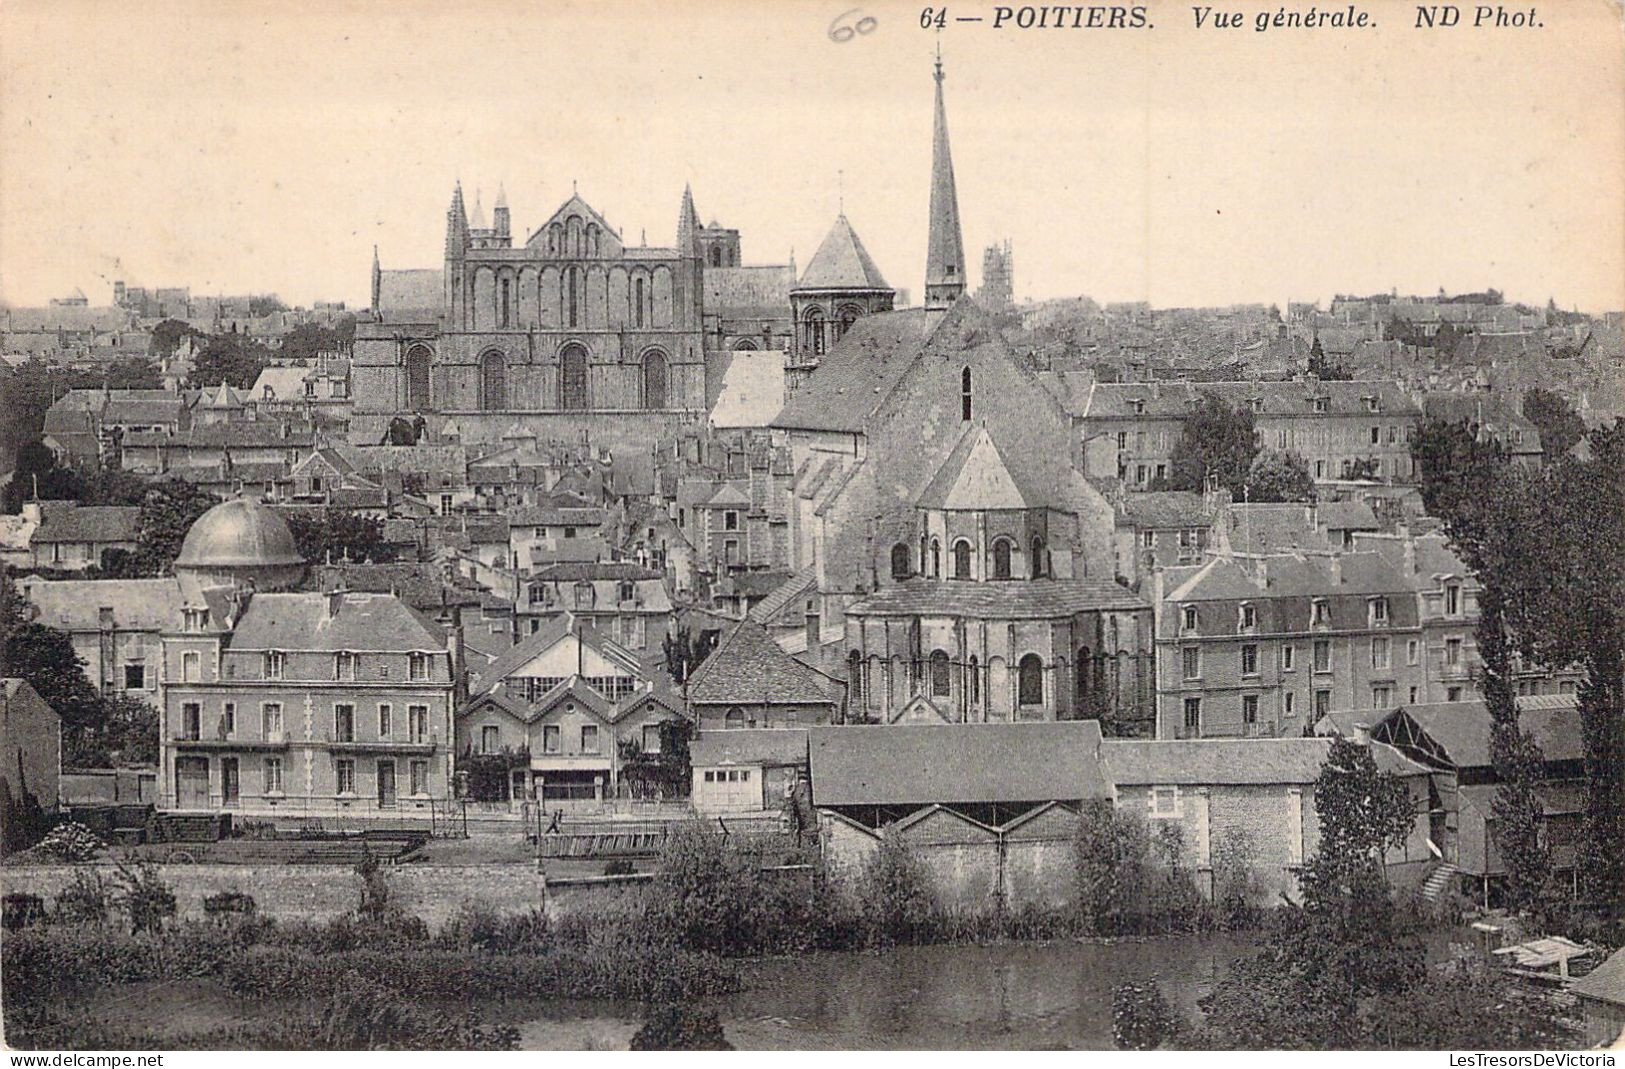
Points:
[574,324]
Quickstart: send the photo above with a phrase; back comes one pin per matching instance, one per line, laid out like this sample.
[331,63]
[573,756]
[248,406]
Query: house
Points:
[749,681]
[1452,740]
[618,598]
[73,537]
[1267,645]
[1602,999]
[116,626]
[563,702]
[30,760]
[1214,789]
[746,770]
[1164,528]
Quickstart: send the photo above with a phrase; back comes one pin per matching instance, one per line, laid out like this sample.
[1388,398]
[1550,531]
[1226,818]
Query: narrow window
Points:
[964,395]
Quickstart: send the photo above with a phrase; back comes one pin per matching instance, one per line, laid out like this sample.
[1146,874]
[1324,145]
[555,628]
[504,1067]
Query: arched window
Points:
[1030,680]
[1001,559]
[573,378]
[734,718]
[899,561]
[637,302]
[961,559]
[848,315]
[572,296]
[505,302]
[964,395]
[493,381]
[940,683]
[1037,563]
[418,360]
[654,379]
[854,678]
[813,331]
[936,559]
[744,345]
[716,256]
[1086,667]
[973,676]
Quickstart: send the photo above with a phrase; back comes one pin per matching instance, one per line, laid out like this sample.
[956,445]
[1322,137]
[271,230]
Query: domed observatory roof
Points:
[241,541]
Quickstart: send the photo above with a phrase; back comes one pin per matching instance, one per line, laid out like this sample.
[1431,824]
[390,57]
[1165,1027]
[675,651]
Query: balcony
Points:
[274,741]
[381,746]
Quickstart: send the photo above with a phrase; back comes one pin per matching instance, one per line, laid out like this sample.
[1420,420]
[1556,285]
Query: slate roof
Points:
[857,373]
[364,623]
[1231,762]
[76,604]
[420,585]
[1173,400]
[957,763]
[417,290]
[89,523]
[1462,729]
[1273,528]
[1605,983]
[749,746]
[842,263]
[792,588]
[1346,516]
[749,667]
[1025,599]
[976,475]
[573,571]
[751,391]
[1165,508]
[1287,576]
[551,632]
[749,291]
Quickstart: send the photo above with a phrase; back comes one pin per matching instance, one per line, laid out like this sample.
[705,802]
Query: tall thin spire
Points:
[945,248]
[688,226]
[456,223]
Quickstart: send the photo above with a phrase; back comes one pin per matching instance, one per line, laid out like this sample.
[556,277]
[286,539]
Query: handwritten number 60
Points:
[840,32]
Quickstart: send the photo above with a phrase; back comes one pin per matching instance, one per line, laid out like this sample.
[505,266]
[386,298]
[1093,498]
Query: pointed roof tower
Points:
[842,263]
[456,224]
[478,221]
[688,225]
[945,250]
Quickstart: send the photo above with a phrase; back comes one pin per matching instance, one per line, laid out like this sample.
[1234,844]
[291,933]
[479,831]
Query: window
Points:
[1382,697]
[974,675]
[490,739]
[1452,652]
[191,721]
[193,619]
[961,559]
[228,719]
[271,720]
[1377,612]
[135,677]
[940,684]
[1036,563]
[1322,404]
[276,662]
[1413,651]
[1162,471]
[1001,559]
[1413,695]
[445,504]
[344,773]
[1289,655]
[1188,622]
[1149,540]
[1452,600]
[191,666]
[1122,439]
[1249,709]
[1249,660]
[1376,435]
[344,665]
[418,777]
[589,738]
[417,723]
[343,723]
[1249,617]
[550,738]
[1287,703]
[384,718]
[1381,653]
[730,521]
[1139,474]
[936,559]
[1323,655]
[964,396]
[1323,703]
[1321,612]
[651,738]
[1280,439]
[1452,694]
[1320,469]
[273,775]
[417,667]
[1191,661]
[1165,801]
[899,561]
[1030,680]
[1193,714]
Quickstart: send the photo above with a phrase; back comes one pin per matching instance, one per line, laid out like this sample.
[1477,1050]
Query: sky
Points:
[239,146]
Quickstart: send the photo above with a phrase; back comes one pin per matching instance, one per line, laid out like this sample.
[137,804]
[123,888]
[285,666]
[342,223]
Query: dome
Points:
[241,539]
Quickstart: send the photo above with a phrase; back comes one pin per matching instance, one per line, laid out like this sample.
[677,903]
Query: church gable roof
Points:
[975,476]
[576,206]
[842,263]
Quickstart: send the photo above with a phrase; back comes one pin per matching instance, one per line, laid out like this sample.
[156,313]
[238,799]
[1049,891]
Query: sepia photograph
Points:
[855,525]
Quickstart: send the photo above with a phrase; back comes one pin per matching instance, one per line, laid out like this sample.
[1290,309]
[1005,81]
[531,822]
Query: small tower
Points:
[501,235]
[841,285]
[688,227]
[945,250]
[457,246]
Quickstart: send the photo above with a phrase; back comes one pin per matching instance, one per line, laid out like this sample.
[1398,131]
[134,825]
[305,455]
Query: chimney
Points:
[1409,545]
[1337,569]
[335,600]
[1362,734]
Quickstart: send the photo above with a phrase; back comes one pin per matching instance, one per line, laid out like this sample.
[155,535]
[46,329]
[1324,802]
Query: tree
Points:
[45,657]
[1365,468]
[168,511]
[37,475]
[231,358]
[129,731]
[336,534]
[1323,367]
[1110,865]
[1277,476]
[674,1026]
[167,336]
[1215,439]
[1561,428]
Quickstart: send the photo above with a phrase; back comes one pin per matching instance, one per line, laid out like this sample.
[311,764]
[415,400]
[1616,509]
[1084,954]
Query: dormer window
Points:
[1322,404]
[1248,614]
[1371,404]
[1137,406]
[1377,612]
[627,590]
[344,665]
[195,619]
[276,663]
[1188,618]
[1321,613]
[1256,404]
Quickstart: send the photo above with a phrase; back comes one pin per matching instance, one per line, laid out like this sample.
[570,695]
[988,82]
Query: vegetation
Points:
[1141,1017]
[1129,880]
[1561,428]
[673,1026]
[1275,476]
[232,358]
[1215,440]
[337,534]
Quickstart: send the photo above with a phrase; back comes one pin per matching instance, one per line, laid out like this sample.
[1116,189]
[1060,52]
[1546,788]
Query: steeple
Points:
[478,221]
[377,279]
[456,224]
[945,249]
[688,226]
[499,217]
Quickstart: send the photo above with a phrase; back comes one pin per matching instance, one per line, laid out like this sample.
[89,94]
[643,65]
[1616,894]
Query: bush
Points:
[1235,878]
[223,906]
[20,911]
[71,842]
[1141,1018]
[894,894]
[712,897]
[85,901]
[144,896]
[670,1026]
